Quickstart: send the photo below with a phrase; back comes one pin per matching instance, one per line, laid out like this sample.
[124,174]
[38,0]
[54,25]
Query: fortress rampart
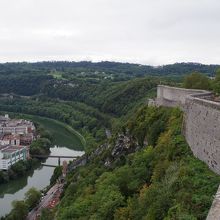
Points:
[201,121]
[172,96]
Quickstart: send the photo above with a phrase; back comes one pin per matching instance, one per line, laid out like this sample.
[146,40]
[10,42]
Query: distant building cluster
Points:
[16,136]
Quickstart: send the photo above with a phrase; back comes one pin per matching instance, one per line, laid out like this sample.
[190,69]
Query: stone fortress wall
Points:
[201,121]
[173,96]
[201,127]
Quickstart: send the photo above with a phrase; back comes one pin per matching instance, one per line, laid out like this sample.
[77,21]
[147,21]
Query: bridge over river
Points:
[53,156]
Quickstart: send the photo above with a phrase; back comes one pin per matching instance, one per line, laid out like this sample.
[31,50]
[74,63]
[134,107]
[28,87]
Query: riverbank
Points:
[59,131]
[18,170]
[64,142]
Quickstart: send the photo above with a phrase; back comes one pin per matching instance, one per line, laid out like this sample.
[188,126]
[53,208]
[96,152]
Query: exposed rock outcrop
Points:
[108,153]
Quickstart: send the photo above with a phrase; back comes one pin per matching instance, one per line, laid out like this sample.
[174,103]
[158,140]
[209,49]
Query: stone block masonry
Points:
[202,130]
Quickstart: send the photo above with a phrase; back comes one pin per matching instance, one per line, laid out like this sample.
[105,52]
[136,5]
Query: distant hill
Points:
[123,69]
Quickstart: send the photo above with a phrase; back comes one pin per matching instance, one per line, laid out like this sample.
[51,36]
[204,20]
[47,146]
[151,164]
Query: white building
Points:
[9,155]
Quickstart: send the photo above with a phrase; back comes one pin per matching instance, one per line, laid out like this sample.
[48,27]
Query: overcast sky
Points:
[142,31]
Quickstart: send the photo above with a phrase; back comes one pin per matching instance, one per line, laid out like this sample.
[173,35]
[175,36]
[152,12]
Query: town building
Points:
[9,155]
[26,139]
[16,135]
[10,139]
[15,126]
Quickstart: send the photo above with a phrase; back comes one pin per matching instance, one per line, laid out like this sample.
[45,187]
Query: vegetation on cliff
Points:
[160,181]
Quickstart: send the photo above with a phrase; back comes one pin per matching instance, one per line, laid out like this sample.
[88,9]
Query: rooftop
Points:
[15,122]
[11,149]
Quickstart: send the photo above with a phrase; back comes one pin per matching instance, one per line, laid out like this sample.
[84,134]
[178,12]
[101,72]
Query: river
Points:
[40,177]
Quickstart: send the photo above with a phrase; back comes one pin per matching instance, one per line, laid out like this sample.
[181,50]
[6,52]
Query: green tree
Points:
[46,214]
[32,197]
[3,177]
[19,211]
[56,174]
[196,81]
[40,146]
[216,82]
[18,168]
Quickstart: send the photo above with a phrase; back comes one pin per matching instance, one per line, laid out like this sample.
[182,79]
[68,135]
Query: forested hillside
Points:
[157,178]
[104,69]
[112,98]
[88,112]
[85,80]
[145,170]
[86,103]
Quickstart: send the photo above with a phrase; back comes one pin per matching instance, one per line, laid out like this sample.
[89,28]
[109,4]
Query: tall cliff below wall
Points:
[201,124]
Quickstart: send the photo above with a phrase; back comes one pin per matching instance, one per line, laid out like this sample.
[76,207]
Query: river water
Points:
[38,178]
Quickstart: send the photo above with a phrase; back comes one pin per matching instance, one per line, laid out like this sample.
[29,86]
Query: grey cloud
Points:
[145,31]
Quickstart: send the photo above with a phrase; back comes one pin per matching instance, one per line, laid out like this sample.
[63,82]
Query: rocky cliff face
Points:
[123,145]
[107,153]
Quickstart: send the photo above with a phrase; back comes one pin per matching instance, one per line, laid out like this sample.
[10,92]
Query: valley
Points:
[137,163]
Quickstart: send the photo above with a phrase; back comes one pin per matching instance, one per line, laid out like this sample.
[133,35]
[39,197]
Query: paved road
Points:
[44,202]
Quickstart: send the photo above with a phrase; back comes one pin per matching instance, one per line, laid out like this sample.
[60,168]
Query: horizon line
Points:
[108,61]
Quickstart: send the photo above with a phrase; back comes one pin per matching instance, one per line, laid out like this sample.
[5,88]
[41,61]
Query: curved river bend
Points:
[40,177]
